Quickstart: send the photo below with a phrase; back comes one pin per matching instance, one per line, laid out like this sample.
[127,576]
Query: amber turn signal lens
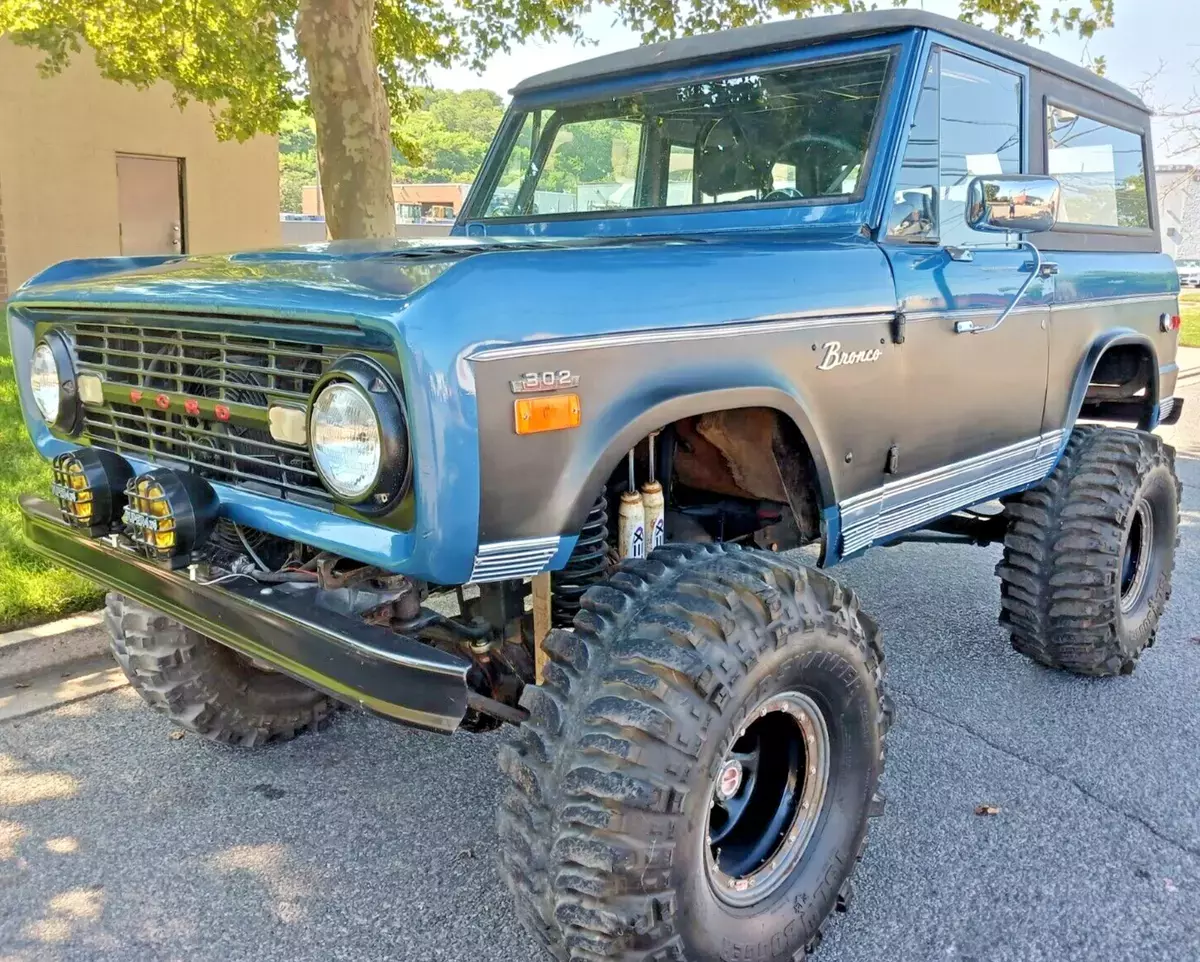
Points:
[553,413]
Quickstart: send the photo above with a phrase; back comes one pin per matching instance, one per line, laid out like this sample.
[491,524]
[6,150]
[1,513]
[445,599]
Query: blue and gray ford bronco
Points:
[837,282]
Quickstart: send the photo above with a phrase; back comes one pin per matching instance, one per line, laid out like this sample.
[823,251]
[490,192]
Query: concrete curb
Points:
[31,651]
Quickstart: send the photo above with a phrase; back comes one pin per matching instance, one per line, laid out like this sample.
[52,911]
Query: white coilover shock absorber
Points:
[653,505]
[631,520]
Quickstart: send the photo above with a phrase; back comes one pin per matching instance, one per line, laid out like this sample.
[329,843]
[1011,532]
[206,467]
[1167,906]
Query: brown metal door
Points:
[150,204]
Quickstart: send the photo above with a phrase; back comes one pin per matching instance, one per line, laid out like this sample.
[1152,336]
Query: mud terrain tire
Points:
[604,823]
[1088,555]
[205,687]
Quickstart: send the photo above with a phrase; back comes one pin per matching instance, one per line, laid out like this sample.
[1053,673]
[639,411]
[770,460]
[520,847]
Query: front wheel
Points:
[1089,552]
[698,768]
[203,686]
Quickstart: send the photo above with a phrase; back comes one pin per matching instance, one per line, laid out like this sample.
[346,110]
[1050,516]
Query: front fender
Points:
[542,484]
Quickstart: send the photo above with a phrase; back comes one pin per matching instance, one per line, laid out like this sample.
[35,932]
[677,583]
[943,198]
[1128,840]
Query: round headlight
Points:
[346,441]
[359,435]
[52,382]
[43,378]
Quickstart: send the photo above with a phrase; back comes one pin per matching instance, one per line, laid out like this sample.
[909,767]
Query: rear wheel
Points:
[698,768]
[1089,553]
[205,687]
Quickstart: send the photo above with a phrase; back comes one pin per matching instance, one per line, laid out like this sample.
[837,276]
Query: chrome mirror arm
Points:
[968,327]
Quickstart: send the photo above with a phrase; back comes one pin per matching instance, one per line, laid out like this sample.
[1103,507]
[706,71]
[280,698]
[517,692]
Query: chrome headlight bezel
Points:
[66,417]
[373,384]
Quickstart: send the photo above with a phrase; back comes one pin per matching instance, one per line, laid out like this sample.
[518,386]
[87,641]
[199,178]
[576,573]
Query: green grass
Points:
[31,590]
[1189,334]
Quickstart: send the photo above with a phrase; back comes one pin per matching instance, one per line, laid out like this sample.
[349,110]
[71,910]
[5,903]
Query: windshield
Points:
[800,134]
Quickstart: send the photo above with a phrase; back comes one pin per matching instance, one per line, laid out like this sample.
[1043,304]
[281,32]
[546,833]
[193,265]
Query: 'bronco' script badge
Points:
[836,357]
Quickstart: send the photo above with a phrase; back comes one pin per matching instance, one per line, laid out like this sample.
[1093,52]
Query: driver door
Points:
[973,403]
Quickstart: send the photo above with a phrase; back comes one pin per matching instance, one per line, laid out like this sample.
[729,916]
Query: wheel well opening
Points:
[1123,385]
[737,474]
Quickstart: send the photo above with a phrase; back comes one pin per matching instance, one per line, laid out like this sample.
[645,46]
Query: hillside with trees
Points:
[444,140]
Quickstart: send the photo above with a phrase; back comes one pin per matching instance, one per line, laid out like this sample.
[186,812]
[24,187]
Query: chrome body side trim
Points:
[502,560]
[1110,302]
[796,322]
[911,502]
[793,322]
[1054,308]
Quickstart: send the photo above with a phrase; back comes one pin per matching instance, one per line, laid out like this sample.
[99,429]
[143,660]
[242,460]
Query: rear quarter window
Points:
[1101,169]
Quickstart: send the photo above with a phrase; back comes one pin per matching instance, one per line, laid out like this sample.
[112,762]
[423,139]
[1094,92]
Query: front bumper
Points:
[389,674]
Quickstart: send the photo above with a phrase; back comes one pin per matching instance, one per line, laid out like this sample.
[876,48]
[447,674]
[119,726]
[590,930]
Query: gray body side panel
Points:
[545,483]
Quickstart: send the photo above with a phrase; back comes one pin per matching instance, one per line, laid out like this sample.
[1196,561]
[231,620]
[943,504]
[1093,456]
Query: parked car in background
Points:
[1189,271]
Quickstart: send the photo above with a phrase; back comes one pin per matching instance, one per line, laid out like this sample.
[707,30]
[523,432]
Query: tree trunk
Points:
[354,147]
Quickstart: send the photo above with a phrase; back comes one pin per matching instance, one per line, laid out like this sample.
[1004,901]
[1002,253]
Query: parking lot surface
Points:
[119,841]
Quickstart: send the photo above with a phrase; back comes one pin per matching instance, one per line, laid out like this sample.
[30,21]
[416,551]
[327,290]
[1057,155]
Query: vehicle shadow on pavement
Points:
[119,840]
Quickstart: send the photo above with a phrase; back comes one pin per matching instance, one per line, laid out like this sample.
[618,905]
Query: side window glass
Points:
[1101,170]
[914,206]
[597,161]
[681,170]
[503,201]
[980,133]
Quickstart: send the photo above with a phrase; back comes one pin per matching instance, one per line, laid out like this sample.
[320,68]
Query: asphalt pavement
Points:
[122,841]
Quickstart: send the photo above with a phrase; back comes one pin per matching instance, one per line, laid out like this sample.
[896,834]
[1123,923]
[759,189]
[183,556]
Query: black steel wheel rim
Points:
[767,798]
[1137,556]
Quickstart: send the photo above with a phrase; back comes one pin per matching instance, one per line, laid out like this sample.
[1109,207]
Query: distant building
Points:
[415,203]
[90,168]
[1179,208]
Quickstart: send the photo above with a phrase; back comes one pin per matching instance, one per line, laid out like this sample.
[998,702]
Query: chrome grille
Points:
[199,363]
[243,372]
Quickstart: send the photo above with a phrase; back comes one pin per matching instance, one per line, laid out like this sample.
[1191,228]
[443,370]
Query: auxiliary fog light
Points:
[89,484]
[169,514]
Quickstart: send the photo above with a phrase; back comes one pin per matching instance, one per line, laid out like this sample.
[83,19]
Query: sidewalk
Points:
[1188,359]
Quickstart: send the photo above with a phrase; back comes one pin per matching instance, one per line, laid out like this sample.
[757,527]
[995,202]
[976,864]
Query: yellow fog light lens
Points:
[169,514]
[89,485]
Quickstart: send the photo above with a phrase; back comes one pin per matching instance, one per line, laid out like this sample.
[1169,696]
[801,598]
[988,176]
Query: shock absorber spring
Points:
[587,565]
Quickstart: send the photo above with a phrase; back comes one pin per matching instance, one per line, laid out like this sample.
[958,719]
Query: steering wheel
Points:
[835,146]
[783,193]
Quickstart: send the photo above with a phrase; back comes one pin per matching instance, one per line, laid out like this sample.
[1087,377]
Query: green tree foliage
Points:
[296,171]
[297,159]
[242,59]
[446,136]
[592,152]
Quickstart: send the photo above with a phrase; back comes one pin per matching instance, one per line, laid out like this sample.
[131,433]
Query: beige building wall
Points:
[59,140]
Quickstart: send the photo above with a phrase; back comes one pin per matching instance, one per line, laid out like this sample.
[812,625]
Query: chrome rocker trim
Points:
[911,502]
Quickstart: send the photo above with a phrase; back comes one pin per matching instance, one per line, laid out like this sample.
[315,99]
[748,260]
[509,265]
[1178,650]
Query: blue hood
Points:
[455,294]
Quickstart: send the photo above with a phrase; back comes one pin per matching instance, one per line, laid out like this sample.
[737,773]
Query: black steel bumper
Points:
[386,673]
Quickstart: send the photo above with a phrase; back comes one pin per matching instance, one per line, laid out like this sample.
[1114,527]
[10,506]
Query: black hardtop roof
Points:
[767,37]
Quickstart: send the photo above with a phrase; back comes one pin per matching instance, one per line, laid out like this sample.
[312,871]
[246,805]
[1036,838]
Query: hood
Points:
[347,278]
[454,295]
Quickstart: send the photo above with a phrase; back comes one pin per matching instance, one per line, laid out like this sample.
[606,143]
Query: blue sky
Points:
[1146,33]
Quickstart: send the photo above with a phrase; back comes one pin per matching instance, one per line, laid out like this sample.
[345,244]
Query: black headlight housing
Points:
[89,484]
[375,384]
[70,413]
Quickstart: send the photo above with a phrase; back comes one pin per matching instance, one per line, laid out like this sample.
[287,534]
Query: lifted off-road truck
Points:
[843,282]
